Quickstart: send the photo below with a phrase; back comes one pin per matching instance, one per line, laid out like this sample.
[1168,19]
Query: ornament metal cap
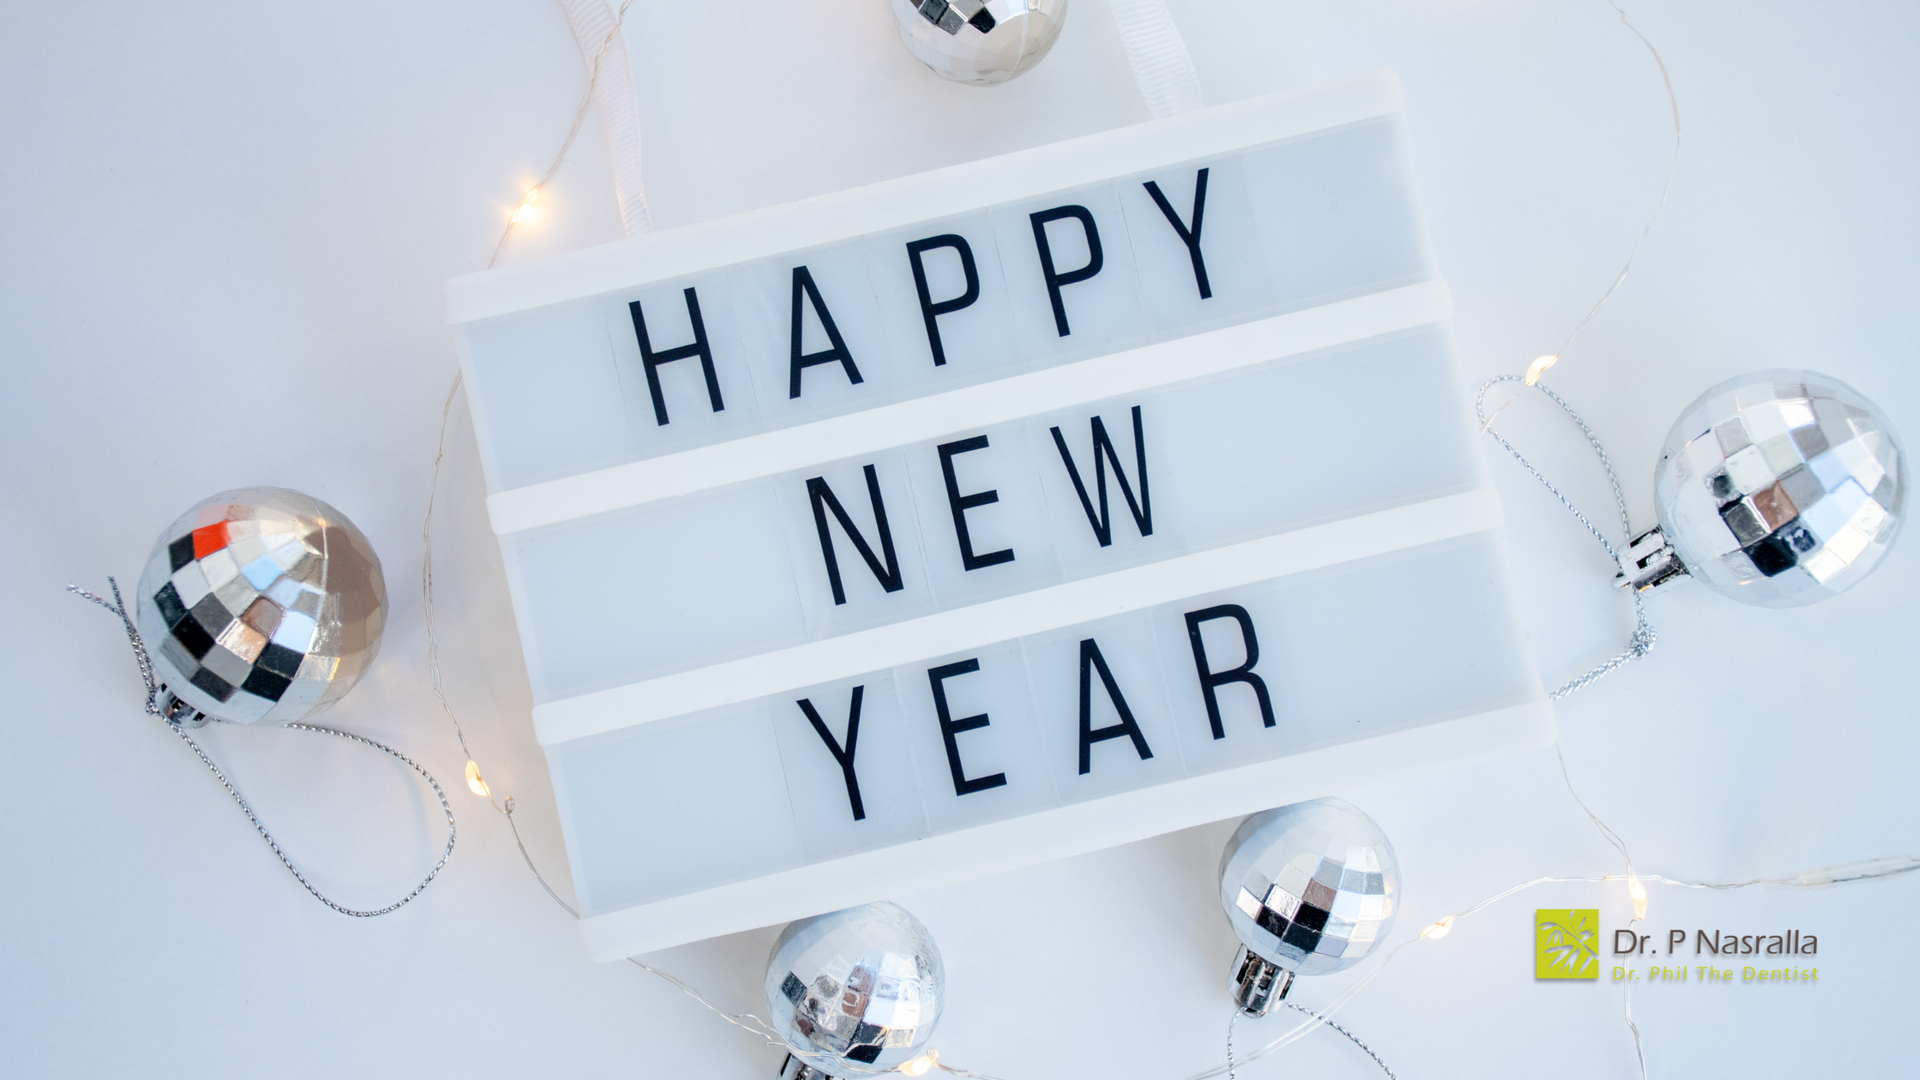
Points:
[1258,983]
[795,1069]
[178,712]
[1649,562]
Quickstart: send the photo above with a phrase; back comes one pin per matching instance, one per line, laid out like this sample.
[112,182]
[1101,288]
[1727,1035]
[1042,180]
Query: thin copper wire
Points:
[446,408]
[1859,872]
[1540,366]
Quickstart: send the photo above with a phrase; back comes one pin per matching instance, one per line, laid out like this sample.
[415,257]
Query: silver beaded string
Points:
[1364,1048]
[153,708]
[1641,642]
[1643,637]
[1231,1020]
[1638,646]
[1351,1037]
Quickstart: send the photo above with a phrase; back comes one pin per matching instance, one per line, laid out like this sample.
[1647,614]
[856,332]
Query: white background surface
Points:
[227,231]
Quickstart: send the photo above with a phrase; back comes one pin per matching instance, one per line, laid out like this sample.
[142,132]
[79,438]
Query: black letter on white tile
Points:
[929,309]
[823,500]
[651,360]
[960,504]
[1209,679]
[1055,279]
[803,284]
[1189,233]
[1090,662]
[842,755]
[949,727]
[1103,453]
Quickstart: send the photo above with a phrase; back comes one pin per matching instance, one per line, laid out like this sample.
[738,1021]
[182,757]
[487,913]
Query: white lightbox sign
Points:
[992,515]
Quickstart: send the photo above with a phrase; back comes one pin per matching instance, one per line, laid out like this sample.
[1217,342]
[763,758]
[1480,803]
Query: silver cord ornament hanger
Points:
[1232,1074]
[261,605]
[179,715]
[1642,640]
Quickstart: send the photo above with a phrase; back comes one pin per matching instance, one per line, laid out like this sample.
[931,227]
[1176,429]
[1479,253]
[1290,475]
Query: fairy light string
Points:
[1297,1007]
[1819,877]
[1640,644]
[526,212]
[1541,363]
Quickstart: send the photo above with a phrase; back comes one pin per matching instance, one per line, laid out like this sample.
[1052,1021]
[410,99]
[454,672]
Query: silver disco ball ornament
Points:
[1309,889]
[260,604]
[979,42]
[854,992]
[1778,488]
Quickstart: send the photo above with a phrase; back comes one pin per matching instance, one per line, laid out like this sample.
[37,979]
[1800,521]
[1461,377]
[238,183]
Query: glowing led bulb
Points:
[527,211]
[474,783]
[1539,367]
[919,1066]
[1639,894]
[1439,930]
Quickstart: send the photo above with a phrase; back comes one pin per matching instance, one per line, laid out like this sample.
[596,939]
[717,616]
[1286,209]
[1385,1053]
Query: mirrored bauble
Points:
[980,42]
[861,986]
[1309,889]
[261,604]
[1780,488]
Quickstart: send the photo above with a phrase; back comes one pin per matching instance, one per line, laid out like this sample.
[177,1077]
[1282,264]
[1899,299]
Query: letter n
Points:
[885,567]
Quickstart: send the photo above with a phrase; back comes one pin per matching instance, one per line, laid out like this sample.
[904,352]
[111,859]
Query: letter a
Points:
[1090,662]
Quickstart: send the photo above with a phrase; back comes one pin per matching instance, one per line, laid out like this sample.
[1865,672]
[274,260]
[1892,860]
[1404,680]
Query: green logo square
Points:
[1566,943]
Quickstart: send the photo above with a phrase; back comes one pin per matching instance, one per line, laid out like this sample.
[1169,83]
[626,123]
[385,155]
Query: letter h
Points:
[652,360]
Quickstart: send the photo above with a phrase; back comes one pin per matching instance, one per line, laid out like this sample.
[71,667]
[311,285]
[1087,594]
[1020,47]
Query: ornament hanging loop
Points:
[1660,566]
[180,717]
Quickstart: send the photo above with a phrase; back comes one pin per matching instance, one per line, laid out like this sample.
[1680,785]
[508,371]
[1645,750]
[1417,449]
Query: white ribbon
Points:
[1158,55]
[614,100]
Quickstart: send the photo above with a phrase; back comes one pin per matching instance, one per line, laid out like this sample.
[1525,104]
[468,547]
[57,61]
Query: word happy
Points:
[808,308]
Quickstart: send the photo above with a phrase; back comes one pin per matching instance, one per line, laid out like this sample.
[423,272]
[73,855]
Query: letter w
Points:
[822,496]
[1103,453]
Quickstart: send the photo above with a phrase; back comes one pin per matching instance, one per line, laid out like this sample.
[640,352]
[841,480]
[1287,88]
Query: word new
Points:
[885,564]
